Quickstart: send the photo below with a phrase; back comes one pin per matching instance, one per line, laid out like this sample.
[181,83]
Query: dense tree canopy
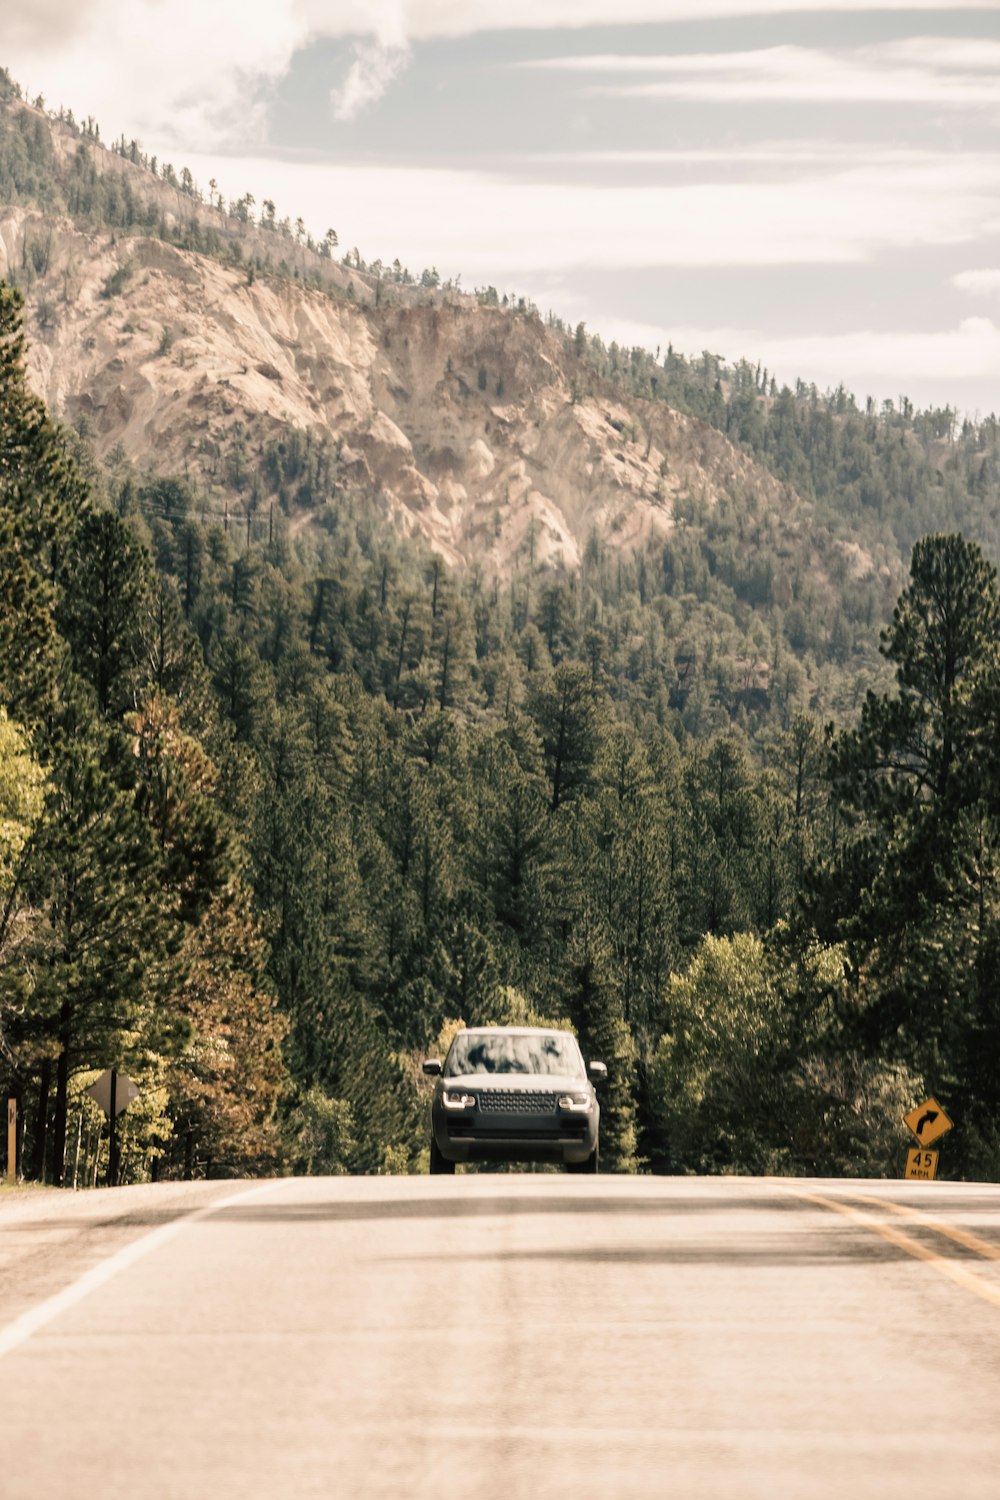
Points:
[116,860]
[278,810]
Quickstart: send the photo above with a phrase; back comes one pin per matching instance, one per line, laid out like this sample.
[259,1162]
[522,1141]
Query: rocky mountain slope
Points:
[464,419]
[474,426]
[202,342]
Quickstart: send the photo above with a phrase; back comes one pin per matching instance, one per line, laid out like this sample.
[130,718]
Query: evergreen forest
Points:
[281,808]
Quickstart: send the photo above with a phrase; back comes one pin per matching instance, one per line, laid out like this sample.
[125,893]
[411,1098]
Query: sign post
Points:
[11,1142]
[113,1092]
[113,1136]
[921,1165]
[928,1122]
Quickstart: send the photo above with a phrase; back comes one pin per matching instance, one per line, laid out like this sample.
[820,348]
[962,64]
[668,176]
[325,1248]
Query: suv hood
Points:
[537,1083]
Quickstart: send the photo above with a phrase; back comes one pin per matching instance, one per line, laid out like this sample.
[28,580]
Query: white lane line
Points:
[29,1323]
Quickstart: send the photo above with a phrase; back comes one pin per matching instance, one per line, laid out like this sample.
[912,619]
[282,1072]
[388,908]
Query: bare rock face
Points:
[463,421]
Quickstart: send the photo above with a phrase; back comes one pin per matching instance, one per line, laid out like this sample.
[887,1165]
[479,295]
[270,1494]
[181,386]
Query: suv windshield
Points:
[514,1052]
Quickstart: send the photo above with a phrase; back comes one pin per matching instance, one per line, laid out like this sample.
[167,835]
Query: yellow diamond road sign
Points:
[928,1122]
[921,1165]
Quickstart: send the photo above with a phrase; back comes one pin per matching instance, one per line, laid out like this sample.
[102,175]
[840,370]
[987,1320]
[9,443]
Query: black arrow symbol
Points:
[926,1119]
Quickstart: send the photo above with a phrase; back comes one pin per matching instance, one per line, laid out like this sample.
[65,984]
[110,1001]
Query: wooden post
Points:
[11,1142]
[76,1159]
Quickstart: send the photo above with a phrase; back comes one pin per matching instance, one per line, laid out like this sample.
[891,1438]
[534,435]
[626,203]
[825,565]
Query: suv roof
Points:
[518,1030]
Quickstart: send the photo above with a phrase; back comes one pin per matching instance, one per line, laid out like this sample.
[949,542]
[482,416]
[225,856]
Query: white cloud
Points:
[190,73]
[738,155]
[978,283]
[373,69]
[922,70]
[948,54]
[183,72]
[194,71]
[893,363]
[492,227]
[426,18]
[972,54]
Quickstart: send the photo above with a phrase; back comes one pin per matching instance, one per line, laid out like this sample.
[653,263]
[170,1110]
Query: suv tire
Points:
[590,1165]
[439,1163]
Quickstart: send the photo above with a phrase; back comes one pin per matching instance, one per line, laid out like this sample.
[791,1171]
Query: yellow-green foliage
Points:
[22,793]
[723,1006]
[319,1135]
[752,1076]
[449,1031]
[510,1008]
[711,1076]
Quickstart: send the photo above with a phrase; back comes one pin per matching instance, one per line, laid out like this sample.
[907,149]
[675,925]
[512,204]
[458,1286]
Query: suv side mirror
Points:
[596,1070]
[432,1067]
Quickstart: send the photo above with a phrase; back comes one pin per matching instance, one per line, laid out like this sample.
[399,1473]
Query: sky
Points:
[813,186]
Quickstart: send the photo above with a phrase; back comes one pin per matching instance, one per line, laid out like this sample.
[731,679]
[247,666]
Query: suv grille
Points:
[516,1102]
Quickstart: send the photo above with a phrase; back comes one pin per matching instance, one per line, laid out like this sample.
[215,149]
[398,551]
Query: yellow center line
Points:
[956,1273]
[964,1237]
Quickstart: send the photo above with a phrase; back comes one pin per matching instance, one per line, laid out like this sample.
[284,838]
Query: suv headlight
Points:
[454,1099]
[576,1104]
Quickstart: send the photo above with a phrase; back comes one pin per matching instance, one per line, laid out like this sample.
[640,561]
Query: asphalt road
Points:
[503,1337]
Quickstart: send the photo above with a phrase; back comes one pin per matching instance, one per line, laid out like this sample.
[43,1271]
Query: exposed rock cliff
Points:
[465,420]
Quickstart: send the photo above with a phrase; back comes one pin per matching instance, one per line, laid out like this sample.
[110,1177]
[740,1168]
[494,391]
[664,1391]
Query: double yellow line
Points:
[945,1267]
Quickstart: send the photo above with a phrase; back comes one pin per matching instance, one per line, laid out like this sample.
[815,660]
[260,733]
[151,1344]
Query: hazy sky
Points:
[816,186]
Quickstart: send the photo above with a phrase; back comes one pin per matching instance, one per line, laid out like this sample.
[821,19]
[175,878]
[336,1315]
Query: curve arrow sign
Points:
[928,1122]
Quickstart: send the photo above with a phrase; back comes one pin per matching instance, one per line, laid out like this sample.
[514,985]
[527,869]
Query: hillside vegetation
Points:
[374,657]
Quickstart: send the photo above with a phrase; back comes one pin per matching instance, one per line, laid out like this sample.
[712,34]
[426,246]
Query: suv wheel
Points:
[440,1163]
[590,1165]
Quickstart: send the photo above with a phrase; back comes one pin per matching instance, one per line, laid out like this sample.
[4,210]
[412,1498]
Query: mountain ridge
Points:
[284,384]
[464,418]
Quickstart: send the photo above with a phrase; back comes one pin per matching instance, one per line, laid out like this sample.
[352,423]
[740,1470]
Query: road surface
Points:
[504,1337]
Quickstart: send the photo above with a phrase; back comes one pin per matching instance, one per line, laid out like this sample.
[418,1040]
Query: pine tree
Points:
[224,1082]
[40,489]
[913,748]
[106,601]
[595,1008]
[913,884]
[566,713]
[174,794]
[104,924]
[41,498]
